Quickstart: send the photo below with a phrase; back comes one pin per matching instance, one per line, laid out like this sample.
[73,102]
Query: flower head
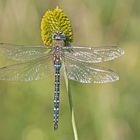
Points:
[55,21]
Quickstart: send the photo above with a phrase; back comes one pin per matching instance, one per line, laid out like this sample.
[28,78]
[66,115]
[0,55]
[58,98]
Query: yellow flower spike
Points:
[53,21]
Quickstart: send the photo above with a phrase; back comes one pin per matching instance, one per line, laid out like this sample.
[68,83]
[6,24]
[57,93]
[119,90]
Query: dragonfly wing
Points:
[27,71]
[90,74]
[23,53]
[92,55]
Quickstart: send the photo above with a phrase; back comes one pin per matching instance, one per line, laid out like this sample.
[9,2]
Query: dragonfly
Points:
[79,62]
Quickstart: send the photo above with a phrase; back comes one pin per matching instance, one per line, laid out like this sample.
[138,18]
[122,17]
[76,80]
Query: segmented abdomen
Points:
[56,97]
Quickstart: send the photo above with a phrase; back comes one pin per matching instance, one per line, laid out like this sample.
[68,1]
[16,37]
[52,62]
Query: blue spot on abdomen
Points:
[57,65]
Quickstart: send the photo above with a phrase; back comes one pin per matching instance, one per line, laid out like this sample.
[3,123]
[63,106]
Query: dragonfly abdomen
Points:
[56,94]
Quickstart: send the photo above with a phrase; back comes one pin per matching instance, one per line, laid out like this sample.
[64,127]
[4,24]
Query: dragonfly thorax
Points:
[57,54]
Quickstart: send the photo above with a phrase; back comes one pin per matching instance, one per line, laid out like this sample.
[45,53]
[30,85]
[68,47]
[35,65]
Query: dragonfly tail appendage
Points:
[56,97]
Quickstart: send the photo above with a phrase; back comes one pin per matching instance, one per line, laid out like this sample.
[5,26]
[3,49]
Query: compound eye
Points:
[54,36]
[63,37]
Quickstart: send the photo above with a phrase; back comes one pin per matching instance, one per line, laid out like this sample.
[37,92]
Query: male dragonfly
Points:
[34,64]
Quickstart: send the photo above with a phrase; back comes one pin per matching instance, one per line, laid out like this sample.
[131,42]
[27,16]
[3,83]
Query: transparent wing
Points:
[23,53]
[89,74]
[92,55]
[27,71]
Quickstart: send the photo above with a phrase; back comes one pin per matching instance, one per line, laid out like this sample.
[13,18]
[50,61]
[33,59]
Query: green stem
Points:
[71,107]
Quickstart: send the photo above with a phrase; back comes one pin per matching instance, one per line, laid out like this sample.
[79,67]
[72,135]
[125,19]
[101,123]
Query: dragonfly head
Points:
[58,36]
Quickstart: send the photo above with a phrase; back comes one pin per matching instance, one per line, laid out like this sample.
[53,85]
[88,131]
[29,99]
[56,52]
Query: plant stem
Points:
[71,106]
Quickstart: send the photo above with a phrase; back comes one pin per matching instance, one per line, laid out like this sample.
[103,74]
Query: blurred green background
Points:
[102,111]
